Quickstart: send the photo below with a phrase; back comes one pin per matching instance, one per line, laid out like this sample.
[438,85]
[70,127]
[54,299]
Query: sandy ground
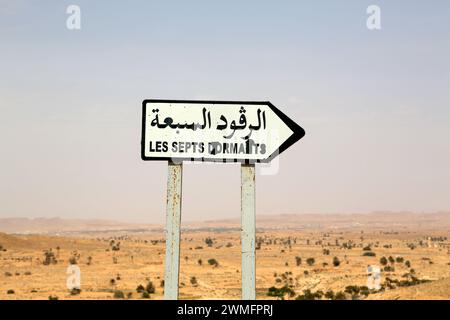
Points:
[140,259]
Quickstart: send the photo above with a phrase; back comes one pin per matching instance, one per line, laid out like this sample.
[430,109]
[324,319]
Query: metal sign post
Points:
[248,132]
[173,220]
[248,233]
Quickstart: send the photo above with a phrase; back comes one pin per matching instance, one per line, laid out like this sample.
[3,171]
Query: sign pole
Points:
[248,233]
[173,220]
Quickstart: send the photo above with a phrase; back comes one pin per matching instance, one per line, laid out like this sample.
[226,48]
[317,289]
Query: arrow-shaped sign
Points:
[219,131]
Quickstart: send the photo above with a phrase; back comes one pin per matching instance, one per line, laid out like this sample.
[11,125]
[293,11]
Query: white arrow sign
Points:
[233,131]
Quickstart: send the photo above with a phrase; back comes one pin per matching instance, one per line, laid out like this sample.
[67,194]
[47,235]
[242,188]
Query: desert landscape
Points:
[297,257]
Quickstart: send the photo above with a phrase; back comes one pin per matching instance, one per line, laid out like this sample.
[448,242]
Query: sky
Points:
[375,104]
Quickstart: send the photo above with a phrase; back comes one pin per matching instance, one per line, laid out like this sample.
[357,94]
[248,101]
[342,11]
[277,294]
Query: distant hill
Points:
[379,220]
[384,221]
[59,225]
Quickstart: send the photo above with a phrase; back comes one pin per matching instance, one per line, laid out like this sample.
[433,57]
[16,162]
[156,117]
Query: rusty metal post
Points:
[173,219]
[248,231]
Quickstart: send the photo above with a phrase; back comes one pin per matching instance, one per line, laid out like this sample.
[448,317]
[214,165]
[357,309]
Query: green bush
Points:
[118,294]
[150,288]
[280,292]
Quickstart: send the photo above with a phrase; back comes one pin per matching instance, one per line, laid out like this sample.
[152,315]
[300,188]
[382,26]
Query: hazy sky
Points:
[375,104]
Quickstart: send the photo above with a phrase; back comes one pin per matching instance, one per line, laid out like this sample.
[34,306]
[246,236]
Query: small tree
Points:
[194,281]
[383,261]
[298,261]
[310,261]
[199,262]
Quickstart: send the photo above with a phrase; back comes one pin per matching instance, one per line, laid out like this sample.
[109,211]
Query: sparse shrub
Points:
[53,298]
[10,291]
[145,295]
[364,291]
[329,295]
[391,260]
[280,292]
[199,262]
[27,273]
[383,261]
[213,262]
[129,295]
[369,254]
[118,294]
[8,274]
[115,246]
[309,295]
[194,281]
[209,242]
[49,258]
[140,288]
[150,288]
[408,264]
[298,261]
[389,269]
[75,291]
[340,296]
[336,262]
[310,261]
[367,248]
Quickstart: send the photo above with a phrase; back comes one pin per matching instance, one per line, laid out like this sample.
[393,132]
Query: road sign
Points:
[224,131]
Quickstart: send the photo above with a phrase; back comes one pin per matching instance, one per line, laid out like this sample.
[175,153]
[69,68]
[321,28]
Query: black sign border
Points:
[298,132]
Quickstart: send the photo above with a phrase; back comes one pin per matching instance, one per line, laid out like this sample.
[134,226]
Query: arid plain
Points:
[297,257]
